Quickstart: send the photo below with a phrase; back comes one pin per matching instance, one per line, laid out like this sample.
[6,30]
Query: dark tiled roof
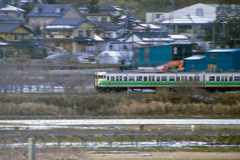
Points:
[101,8]
[67,21]
[8,27]
[151,35]
[98,14]
[111,27]
[5,17]
[2,5]
[49,10]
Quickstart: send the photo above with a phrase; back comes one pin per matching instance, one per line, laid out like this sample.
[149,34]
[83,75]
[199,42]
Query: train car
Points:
[123,81]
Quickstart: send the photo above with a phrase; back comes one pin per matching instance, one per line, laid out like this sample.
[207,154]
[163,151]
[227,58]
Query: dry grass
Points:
[174,104]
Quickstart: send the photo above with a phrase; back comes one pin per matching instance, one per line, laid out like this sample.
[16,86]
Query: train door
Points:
[95,80]
[224,80]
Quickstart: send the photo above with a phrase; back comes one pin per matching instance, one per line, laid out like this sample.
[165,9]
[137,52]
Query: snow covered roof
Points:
[178,36]
[97,38]
[189,19]
[150,26]
[225,50]
[195,57]
[60,27]
[10,8]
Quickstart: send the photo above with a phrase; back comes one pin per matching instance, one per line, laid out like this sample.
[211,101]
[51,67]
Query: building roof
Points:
[5,17]
[5,7]
[66,23]
[49,10]
[8,27]
[149,26]
[151,35]
[189,19]
[111,27]
[103,8]
[224,50]
[98,14]
[195,57]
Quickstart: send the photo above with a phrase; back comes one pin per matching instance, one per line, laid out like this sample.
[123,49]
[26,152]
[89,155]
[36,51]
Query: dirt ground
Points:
[55,154]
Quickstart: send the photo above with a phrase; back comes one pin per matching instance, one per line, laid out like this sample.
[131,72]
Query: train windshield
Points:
[100,76]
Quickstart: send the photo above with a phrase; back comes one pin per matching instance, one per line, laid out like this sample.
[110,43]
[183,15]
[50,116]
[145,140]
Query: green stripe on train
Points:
[147,83]
[223,83]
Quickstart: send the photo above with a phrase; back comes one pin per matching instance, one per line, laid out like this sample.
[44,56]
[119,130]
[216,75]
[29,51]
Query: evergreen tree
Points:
[93,7]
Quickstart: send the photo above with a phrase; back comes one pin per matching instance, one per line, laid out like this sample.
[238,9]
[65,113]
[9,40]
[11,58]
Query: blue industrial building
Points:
[158,55]
[216,59]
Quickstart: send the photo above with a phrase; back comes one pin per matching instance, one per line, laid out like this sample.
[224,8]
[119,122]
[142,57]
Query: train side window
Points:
[153,78]
[164,78]
[108,78]
[217,78]
[231,78]
[149,78]
[120,78]
[171,78]
[131,78]
[145,78]
[112,78]
[177,78]
[158,78]
[211,78]
[236,78]
[186,78]
[196,78]
[222,78]
[104,77]
[139,78]
[182,78]
[190,78]
[116,78]
[125,78]
[226,78]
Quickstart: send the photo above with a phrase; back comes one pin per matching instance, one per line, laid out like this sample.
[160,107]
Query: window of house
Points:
[16,37]
[164,78]
[55,33]
[104,19]
[34,20]
[131,78]
[171,78]
[211,78]
[109,35]
[158,15]
[139,78]
[93,19]
[35,9]
[80,33]
[44,19]
[25,37]
[124,47]
[69,33]
[110,47]
[199,12]
[57,10]
[213,55]
[88,33]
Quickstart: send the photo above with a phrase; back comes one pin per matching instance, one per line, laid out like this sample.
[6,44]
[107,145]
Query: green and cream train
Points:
[123,81]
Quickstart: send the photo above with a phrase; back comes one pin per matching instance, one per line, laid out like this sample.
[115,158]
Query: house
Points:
[42,15]
[99,17]
[188,25]
[158,55]
[7,18]
[111,30]
[143,27]
[139,39]
[216,59]
[74,34]
[15,38]
[199,9]
[113,10]
[154,17]
[11,11]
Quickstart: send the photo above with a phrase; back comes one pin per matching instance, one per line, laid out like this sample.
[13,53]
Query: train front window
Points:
[164,78]
[211,78]
[231,78]
[171,78]
[100,76]
[131,78]
[139,78]
[112,78]
[158,78]
[236,78]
